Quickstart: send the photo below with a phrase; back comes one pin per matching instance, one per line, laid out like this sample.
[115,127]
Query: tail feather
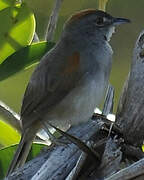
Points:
[21,152]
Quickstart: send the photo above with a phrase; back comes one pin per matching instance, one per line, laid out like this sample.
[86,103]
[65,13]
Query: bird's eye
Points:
[99,21]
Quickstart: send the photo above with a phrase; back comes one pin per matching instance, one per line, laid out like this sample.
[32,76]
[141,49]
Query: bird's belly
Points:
[79,105]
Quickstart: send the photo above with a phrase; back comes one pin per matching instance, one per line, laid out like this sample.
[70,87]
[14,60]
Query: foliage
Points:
[7,153]
[23,59]
[17,30]
[8,135]
[17,53]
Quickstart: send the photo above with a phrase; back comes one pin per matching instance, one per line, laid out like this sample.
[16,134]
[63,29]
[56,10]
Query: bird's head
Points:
[93,22]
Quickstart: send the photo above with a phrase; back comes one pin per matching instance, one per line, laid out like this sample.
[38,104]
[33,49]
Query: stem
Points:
[10,116]
[102,4]
[53,21]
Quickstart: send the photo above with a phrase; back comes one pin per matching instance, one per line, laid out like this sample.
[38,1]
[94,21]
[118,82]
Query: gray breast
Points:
[79,105]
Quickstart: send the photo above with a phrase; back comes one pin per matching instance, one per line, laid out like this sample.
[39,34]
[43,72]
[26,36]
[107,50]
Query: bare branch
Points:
[102,4]
[130,172]
[13,119]
[108,105]
[53,21]
[131,108]
[10,116]
[58,161]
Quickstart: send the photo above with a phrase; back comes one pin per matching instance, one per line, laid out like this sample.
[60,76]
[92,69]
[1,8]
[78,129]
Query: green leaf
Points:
[23,59]
[17,29]
[6,155]
[6,3]
[8,135]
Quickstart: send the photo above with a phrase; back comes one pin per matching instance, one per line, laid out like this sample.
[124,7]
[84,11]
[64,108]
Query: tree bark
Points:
[130,114]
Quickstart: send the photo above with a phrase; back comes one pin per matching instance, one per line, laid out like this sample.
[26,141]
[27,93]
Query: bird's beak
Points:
[119,21]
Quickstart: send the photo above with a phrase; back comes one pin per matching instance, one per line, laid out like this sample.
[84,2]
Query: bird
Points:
[70,80]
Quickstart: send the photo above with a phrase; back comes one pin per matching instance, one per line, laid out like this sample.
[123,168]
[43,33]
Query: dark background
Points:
[12,89]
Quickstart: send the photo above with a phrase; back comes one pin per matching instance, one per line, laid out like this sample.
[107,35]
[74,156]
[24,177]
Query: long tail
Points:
[22,151]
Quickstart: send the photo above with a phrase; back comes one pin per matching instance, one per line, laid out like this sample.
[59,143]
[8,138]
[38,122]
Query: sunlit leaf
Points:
[6,155]
[6,3]
[23,59]
[8,135]
[17,29]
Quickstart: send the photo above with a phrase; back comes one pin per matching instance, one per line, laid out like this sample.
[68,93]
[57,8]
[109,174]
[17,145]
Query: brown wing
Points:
[49,84]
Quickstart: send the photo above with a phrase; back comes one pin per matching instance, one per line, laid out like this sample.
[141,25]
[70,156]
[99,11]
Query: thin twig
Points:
[13,119]
[10,116]
[53,21]
[108,105]
[102,4]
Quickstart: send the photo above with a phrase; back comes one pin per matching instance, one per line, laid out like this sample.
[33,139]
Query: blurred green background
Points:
[12,89]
